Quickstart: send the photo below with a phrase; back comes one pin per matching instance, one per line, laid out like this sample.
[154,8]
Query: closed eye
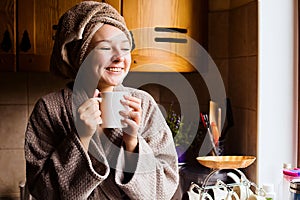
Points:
[104,48]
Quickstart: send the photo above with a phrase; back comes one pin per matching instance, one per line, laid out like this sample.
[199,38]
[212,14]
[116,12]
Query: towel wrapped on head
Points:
[75,31]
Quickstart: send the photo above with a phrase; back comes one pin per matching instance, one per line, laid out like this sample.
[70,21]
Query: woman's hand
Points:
[89,118]
[132,118]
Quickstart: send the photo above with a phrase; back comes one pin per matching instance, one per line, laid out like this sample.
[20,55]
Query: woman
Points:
[74,158]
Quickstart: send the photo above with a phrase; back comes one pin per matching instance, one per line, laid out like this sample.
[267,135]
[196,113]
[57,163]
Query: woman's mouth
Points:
[114,69]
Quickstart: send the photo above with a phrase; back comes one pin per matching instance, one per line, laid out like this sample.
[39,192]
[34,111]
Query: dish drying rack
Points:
[197,192]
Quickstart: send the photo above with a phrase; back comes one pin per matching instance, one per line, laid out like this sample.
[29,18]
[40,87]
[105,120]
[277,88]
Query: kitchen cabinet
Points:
[36,19]
[28,32]
[188,18]
[7,35]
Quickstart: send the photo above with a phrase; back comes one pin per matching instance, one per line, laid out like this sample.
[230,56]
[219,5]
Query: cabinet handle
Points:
[170,40]
[25,42]
[6,43]
[55,27]
[170,29]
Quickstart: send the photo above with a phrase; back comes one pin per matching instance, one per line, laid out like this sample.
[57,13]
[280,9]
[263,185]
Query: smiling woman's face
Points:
[111,56]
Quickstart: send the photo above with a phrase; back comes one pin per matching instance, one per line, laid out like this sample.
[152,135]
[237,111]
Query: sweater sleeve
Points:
[155,174]
[57,167]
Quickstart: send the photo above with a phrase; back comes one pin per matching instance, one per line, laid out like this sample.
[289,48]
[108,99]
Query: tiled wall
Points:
[165,96]
[19,92]
[233,36]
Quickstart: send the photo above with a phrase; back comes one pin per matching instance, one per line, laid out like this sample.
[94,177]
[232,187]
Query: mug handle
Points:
[196,196]
[244,185]
[205,196]
[220,190]
[192,194]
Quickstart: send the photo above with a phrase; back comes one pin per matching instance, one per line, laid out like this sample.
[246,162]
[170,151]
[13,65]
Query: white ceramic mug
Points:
[241,189]
[110,109]
[222,192]
[199,195]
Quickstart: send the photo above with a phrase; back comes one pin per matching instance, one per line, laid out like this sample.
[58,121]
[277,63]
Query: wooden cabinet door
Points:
[185,14]
[7,35]
[154,13]
[188,18]
[117,4]
[35,31]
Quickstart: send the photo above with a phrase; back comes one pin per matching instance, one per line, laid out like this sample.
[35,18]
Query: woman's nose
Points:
[118,57]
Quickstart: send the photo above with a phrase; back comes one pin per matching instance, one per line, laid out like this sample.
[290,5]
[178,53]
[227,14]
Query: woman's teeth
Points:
[114,69]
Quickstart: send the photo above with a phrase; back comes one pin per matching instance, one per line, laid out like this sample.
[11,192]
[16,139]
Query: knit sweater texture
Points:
[57,167]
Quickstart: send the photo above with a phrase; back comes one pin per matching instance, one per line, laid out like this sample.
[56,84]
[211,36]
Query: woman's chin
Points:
[112,80]
[114,83]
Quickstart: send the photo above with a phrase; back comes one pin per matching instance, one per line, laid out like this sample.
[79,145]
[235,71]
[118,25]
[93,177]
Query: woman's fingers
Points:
[90,105]
[132,118]
[135,110]
[132,102]
[89,113]
[131,98]
[91,109]
[132,115]
[135,115]
[96,93]
[131,129]
[89,117]
[130,123]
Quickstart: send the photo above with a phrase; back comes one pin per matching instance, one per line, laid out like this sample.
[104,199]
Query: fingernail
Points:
[123,101]
[126,96]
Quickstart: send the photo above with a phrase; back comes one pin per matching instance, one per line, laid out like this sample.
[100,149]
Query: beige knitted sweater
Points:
[57,166]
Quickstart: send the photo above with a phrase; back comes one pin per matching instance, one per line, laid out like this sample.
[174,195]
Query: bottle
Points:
[269,190]
[295,190]
[283,189]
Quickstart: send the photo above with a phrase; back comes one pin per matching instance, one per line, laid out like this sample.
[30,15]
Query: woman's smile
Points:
[114,69]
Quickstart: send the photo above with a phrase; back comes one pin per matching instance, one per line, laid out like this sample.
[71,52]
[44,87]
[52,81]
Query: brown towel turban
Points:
[75,31]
